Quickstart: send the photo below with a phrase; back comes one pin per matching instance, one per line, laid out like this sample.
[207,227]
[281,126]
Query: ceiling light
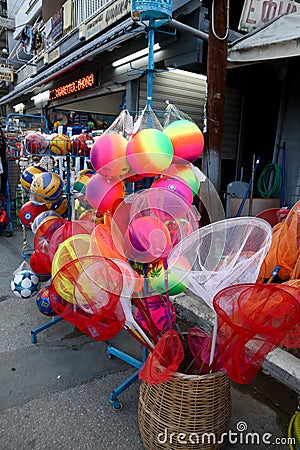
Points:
[134,56]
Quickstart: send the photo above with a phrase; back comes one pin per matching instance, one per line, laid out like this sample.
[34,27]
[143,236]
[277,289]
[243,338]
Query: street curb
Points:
[279,364]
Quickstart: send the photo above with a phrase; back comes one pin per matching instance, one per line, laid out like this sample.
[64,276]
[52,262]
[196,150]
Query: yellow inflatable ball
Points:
[60,144]
[60,206]
[26,177]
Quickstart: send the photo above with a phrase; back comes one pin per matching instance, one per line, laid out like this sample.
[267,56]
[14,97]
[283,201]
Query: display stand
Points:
[153,24]
[113,351]
[43,327]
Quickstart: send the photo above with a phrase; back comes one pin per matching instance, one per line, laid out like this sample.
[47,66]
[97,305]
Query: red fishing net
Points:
[253,319]
[162,364]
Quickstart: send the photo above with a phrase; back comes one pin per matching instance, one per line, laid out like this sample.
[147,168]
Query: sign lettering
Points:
[75,86]
[257,13]
[108,16]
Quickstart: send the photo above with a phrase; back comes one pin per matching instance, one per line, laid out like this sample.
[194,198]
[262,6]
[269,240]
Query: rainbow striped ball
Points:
[108,155]
[185,172]
[149,152]
[187,140]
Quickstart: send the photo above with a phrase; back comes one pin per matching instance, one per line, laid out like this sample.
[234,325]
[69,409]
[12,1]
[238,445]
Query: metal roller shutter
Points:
[188,94]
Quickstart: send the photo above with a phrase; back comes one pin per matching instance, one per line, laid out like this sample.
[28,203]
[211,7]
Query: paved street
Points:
[55,393]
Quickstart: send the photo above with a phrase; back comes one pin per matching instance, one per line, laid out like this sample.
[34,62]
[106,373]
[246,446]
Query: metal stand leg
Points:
[113,351]
[41,328]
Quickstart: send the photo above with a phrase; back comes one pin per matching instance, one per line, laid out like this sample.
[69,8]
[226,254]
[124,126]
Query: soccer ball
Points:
[43,302]
[25,284]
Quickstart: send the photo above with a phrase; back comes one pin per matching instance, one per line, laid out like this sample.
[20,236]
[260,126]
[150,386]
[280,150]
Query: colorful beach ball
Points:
[149,152]
[101,193]
[147,239]
[81,182]
[187,140]
[108,155]
[185,172]
[156,277]
[46,187]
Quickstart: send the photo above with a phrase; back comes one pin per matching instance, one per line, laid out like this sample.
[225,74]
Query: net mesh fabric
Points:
[94,285]
[285,248]
[222,254]
[162,364]
[146,119]
[173,113]
[121,125]
[253,319]
[292,339]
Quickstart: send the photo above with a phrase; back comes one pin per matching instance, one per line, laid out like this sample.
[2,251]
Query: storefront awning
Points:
[279,38]
[108,40]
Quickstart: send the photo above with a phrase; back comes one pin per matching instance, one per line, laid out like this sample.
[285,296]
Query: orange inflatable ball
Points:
[60,145]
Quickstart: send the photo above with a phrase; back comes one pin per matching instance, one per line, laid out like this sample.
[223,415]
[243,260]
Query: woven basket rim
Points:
[191,377]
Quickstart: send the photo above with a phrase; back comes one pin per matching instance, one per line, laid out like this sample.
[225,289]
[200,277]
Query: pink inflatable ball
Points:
[101,193]
[147,239]
[108,155]
[187,140]
[179,187]
[149,152]
[35,143]
[185,172]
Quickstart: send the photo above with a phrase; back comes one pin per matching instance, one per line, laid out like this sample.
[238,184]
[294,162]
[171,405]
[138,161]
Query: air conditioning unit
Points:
[82,32]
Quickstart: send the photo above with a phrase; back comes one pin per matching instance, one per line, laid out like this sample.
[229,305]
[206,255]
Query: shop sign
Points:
[257,13]
[6,72]
[54,55]
[78,85]
[115,11]
[57,24]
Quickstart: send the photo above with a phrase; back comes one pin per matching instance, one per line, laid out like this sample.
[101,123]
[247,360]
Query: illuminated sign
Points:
[75,86]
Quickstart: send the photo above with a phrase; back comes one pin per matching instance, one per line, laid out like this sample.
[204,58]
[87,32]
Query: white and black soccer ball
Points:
[25,284]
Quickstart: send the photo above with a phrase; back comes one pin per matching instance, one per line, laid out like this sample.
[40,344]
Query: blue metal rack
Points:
[113,351]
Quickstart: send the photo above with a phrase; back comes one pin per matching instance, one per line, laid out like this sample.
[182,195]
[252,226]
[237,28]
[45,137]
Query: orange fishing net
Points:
[285,248]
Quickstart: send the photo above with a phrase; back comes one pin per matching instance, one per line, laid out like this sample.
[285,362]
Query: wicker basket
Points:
[195,408]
